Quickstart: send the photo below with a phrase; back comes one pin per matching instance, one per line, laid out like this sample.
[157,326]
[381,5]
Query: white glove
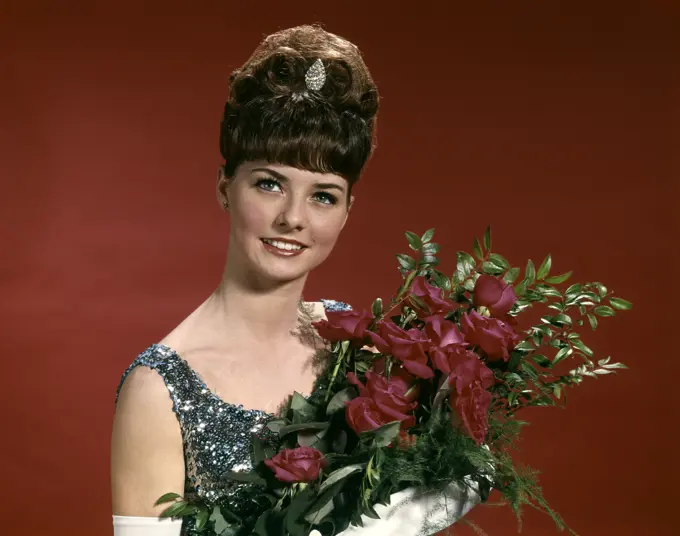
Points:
[146,526]
[413,512]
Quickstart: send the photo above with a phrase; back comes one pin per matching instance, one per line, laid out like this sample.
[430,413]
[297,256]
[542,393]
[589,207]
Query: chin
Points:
[288,269]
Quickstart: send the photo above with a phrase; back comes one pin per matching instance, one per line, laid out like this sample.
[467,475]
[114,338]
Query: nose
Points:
[293,215]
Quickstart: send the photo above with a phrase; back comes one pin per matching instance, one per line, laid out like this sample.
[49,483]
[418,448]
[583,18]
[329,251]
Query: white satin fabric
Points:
[410,513]
[145,526]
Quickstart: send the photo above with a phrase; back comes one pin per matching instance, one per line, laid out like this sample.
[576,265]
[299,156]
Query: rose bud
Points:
[494,294]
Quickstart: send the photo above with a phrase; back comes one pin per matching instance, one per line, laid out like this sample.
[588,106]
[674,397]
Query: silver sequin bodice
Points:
[215,433]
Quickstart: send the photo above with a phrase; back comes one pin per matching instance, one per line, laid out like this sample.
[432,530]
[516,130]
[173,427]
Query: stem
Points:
[341,357]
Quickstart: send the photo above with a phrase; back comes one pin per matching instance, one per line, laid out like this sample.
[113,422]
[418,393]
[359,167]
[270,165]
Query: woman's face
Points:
[284,220]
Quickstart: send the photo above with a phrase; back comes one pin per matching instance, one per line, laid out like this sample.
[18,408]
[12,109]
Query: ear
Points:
[349,208]
[222,188]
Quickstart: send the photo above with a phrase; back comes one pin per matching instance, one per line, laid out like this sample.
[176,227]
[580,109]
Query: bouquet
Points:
[422,391]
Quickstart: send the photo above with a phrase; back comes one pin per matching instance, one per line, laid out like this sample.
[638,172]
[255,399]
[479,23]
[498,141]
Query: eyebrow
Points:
[283,178]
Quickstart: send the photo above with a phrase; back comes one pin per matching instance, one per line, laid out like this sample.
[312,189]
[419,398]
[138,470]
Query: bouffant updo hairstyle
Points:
[271,114]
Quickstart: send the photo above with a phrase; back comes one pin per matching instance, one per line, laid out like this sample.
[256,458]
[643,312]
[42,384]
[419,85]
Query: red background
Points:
[551,121]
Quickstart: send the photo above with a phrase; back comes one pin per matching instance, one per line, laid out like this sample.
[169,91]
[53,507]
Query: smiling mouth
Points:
[283,247]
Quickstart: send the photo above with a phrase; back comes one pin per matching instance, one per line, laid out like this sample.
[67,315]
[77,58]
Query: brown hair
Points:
[271,115]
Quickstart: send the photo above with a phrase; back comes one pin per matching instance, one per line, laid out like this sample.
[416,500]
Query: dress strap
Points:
[184,387]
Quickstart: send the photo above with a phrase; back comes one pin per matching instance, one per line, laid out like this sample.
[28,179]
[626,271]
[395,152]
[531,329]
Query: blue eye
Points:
[268,185]
[326,198]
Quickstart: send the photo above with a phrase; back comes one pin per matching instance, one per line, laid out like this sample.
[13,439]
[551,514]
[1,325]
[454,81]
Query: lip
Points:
[287,241]
[284,253]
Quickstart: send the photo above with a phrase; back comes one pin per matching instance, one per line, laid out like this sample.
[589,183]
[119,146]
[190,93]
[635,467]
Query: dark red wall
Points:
[552,121]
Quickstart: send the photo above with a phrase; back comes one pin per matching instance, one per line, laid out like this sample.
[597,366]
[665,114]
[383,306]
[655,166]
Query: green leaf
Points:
[548,291]
[604,310]
[339,474]
[578,344]
[491,268]
[562,355]
[431,260]
[541,360]
[300,502]
[530,273]
[477,249]
[593,321]
[241,476]
[511,275]
[524,345]
[300,404]
[469,285]
[487,238]
[218,519]
[561,319]
[430,249]
[414,240]
[601,289]
[202,519]
[276,424]
[427,236]
[337,403]
[167,498]
[377,307]
[620,303]
[521,288]
[321,507]
[385,434]
[258,448]
[574,289]
[557,279]
[441,280]
[175,509]
[406,262]
[304,426]
[499,260]
[544,269]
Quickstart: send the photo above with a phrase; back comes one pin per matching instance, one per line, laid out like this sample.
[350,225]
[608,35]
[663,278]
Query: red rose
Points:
[389,396]
[472,408]
[411,352]
[446,359]
[344,326]
[494,294]
[469,370]
[494,337]
[301,464]
[381,339]
[431,296]
[470,399]
[407,346]
[363,414]
[442,332]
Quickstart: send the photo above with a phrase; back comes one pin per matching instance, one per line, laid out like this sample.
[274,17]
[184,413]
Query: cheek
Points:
[250,218]
[327,229]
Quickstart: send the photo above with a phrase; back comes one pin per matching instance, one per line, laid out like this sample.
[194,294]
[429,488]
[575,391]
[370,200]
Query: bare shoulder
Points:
[147,457]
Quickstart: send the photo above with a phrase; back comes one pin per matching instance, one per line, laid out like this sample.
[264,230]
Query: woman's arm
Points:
[147,458]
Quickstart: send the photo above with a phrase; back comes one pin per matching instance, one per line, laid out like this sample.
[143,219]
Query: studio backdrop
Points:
[549,121]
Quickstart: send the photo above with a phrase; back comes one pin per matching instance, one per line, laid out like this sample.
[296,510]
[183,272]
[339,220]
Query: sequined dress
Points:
[215,433]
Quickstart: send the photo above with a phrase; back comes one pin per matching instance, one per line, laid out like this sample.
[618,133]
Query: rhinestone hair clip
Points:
[315,77]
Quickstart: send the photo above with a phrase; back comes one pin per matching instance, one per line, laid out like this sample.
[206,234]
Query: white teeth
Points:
[282,245]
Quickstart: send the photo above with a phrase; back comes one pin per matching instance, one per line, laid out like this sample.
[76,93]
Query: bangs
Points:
[299,131]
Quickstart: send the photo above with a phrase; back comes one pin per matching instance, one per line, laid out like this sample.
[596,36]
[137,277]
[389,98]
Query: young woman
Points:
[298,129]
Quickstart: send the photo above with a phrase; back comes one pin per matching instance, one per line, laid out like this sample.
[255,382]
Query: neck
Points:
[256,311]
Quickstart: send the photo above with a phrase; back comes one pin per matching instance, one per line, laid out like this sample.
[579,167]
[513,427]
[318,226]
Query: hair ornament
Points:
[315,77]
